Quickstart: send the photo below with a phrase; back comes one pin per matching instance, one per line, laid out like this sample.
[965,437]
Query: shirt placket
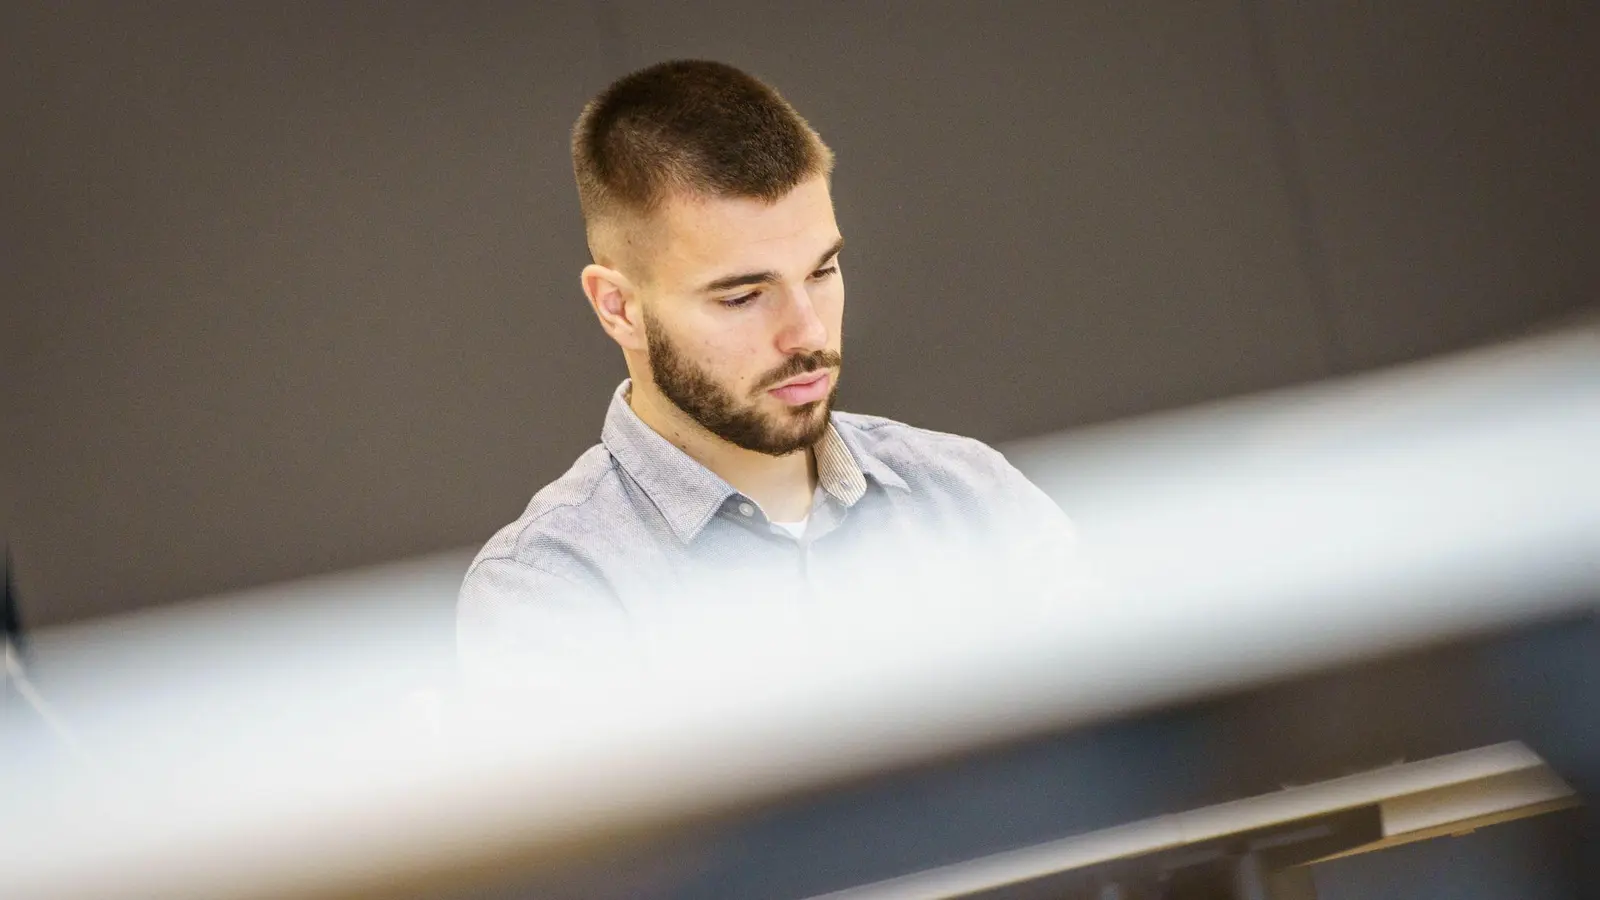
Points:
[771,536]
[827,515]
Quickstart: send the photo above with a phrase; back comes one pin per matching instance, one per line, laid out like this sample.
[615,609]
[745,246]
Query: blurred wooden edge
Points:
[1445,795]
[1460,809]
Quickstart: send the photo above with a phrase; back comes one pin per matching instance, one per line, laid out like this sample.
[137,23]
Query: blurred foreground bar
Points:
[309,749]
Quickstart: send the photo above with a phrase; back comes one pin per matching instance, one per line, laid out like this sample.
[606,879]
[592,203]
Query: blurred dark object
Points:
[10,631]
[13,703]
[10,617]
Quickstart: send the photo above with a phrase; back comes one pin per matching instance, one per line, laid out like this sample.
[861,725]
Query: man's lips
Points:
[798,380]
[802,389]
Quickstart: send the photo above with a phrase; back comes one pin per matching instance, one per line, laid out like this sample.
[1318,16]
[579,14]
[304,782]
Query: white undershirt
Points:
[794,528]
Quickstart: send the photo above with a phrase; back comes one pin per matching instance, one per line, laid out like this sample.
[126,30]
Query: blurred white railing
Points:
[256,748]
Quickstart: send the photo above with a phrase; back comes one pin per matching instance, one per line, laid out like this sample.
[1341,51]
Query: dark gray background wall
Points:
[290,288]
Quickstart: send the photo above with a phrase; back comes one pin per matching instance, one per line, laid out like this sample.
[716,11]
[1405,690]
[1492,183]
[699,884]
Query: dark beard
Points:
[743,425]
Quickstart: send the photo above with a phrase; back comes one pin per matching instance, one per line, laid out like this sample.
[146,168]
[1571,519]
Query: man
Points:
[724,476]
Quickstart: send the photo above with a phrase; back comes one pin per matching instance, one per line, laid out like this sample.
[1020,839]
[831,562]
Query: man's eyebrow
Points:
[832,252]
[730,282]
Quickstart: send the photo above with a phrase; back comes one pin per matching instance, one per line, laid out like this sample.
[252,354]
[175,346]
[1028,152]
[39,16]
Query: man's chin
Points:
[807,415]
[812,423]
[799,432]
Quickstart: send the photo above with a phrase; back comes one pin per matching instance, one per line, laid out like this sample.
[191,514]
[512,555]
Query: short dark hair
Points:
[692,127]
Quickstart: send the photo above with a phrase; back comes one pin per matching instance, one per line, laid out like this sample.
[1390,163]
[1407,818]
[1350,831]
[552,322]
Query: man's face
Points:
[743,312]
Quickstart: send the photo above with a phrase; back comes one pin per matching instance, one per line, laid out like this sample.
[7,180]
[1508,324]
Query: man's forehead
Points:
[701,231]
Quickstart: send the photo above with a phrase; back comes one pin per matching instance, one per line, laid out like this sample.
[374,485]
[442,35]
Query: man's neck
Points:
[782,485]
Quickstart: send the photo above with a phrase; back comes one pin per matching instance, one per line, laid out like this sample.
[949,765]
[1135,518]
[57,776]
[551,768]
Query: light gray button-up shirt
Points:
[637,529]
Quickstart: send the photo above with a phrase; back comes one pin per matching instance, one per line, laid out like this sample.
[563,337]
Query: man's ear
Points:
[616,303]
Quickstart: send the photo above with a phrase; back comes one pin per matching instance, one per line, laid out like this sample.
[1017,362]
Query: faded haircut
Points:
[686,127]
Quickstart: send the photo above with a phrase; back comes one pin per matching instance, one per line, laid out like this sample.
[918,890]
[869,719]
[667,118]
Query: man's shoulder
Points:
[564,512]
[955,474]
[915,453]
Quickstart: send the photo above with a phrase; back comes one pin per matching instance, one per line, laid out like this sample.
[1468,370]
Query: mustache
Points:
[799,364]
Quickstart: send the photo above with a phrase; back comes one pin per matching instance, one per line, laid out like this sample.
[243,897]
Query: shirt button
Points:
[746,510]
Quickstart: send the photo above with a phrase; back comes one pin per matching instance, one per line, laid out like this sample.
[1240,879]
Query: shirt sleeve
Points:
[520,626]
[1043,552]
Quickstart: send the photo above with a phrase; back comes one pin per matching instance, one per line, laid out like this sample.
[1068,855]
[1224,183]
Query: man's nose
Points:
[803,330]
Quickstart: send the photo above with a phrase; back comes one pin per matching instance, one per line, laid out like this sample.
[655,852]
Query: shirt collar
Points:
[689,495]
[857,458]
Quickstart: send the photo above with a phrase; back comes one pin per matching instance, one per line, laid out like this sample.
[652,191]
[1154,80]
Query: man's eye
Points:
[824,273]
[741,300]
